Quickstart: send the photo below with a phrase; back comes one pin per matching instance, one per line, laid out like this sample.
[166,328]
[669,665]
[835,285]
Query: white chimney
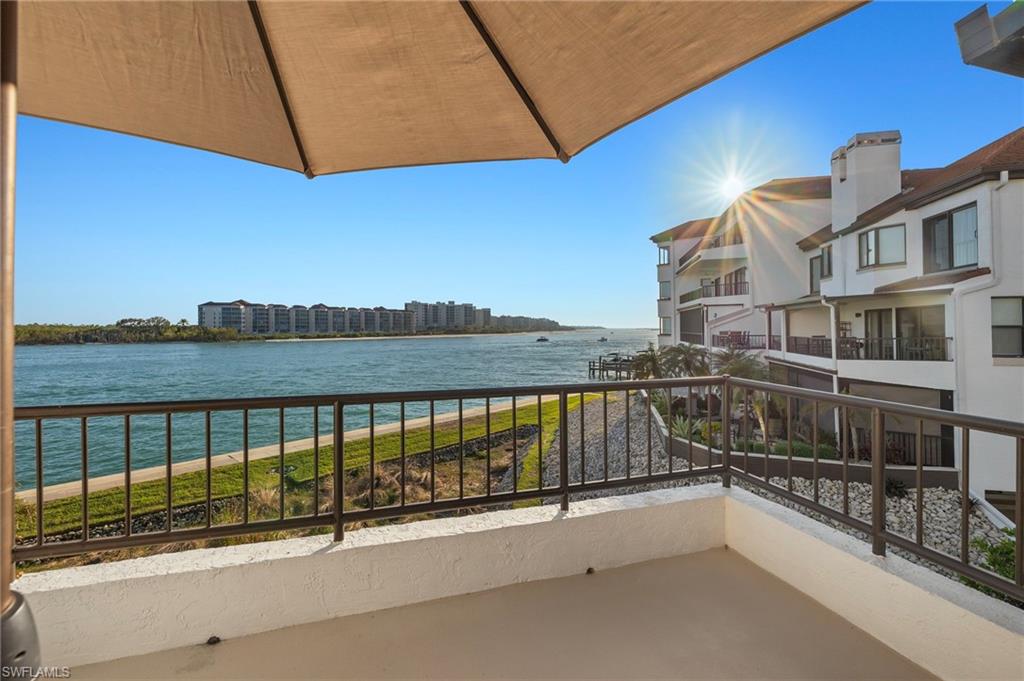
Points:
[864,173]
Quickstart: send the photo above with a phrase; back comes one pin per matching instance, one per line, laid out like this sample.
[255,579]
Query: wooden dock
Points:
[612,366]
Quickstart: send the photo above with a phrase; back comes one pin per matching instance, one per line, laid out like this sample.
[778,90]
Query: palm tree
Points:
[647,363]
[742,364]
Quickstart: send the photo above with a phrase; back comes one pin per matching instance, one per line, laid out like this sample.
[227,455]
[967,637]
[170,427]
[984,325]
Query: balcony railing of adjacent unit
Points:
[739,340]
[693,338]
[817,346]
[689,296]
[410,456]
[736,288]
[715,242]
[908,349]
[775,343]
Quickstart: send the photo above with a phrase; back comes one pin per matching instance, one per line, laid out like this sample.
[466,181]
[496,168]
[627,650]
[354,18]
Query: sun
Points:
[731,187]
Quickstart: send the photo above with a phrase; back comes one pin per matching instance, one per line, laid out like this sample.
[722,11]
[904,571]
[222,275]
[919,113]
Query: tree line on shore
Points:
[161,330]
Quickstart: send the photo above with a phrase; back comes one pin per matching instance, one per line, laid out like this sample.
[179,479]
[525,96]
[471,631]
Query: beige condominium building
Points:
[899,284]
[257,318]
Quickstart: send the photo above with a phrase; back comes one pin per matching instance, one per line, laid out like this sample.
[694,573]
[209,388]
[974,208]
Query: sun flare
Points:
[731,187]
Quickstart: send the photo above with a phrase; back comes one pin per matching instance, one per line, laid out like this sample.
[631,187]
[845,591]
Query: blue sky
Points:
[111,226]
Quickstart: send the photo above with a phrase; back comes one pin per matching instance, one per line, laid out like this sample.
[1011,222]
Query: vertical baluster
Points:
[789,443]
[39,482]
[746,430]
[167,480]
[689,428]
[245,466]
[563,447]
[1019,516]
[316,459]
[767,436]
[583,467]
[515,449]
[462,455]
[85,478]
[127,475]
[877,482]
[401,446]
[433,464]
[965,497]
[604,428]
[540,445]
[280,462]
[487,444]
[629,462]
[668,428]
[373,459]
[650,462]
[725,407]
[209,471]
[814,447]
[844,420]
[919,479]
[339,471]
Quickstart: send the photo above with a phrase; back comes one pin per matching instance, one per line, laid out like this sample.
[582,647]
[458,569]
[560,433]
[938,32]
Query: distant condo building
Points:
[450,315]
[258,318]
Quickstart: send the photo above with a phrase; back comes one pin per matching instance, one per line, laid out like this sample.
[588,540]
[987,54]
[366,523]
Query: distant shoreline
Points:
[39,334]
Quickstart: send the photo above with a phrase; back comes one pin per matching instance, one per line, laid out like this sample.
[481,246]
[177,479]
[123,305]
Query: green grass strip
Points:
[108,505]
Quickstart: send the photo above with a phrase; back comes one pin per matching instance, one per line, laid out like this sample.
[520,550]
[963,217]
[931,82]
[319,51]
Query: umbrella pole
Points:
[19,641]
[8,121]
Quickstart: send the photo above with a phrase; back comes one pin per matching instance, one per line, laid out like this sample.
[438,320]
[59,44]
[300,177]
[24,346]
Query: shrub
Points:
[997,557]
[894,487]
[801,450]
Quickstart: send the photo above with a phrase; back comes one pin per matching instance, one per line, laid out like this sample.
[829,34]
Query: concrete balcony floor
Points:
[705,615]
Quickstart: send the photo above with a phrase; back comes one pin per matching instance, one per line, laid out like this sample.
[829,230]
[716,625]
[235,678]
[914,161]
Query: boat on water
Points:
[542,339]
[602,339]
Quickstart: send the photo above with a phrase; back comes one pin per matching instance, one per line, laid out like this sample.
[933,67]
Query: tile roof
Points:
[793,189]
[935,279]
[691,228]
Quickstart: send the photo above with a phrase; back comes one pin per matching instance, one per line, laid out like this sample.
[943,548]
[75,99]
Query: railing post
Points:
[877,482]
[563,447]
[726,409]
[339,473]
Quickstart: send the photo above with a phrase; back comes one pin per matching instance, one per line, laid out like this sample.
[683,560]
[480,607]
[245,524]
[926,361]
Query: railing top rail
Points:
[228,404]
[985,423]
[975,421]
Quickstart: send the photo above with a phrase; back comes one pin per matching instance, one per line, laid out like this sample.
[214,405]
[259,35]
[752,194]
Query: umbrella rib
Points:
[485,35]
[268,52]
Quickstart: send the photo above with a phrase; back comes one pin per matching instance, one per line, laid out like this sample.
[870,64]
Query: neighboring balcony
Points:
[665,272]
[738,288]
[741,340]
[691,337]
[900,349]
[815,346]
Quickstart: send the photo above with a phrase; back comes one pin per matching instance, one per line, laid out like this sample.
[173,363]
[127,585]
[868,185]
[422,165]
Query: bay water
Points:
[90,374]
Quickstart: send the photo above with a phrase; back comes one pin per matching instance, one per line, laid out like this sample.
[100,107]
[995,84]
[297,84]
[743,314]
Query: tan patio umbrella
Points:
[328,87]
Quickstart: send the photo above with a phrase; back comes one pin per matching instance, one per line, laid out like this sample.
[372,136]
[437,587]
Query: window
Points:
[815,265]
[1007,327]
[826,262]
[663,255]
[882,246]
[664,290]
[666,326]
[951,239]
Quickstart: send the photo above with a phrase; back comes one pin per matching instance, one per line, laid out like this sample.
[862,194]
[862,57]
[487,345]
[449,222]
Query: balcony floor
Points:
[706,615]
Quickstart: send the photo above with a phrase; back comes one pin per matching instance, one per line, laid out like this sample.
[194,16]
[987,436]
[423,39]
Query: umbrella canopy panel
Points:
[326,87]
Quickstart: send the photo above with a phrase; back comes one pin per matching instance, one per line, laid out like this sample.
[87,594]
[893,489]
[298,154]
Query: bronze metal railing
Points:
[817,346]
[739,340]
[907,349]
[445,450]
